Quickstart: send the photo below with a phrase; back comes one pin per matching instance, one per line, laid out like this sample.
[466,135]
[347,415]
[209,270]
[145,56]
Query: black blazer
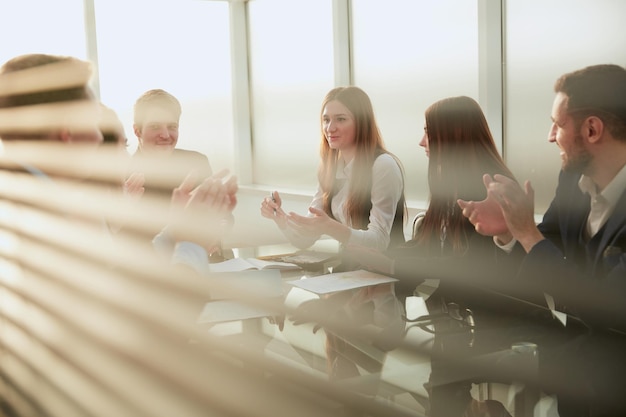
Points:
[587,278]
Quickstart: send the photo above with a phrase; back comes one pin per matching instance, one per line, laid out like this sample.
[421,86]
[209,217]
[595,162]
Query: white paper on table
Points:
[241,264]
[341,281]
[297,296]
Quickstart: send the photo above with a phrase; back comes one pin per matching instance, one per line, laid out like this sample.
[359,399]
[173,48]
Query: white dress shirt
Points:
[602,203]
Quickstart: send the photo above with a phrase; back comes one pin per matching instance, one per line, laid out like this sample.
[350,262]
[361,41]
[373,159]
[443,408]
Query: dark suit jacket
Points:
[588,279]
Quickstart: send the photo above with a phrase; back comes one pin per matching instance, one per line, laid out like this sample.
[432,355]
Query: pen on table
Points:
[273,199]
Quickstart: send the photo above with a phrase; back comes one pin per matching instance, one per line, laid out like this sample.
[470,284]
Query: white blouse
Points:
[387,188]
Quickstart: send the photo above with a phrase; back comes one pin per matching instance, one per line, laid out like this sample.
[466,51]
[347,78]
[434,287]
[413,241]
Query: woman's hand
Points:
[271,208]
[310,225]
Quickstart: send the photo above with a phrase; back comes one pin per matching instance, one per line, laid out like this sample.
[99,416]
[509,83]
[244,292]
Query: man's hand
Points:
[486,215]
[182,194]
[133,186]
[518,209]
[199,213]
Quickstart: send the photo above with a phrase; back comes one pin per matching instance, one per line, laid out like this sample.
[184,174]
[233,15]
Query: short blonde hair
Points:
[155,98]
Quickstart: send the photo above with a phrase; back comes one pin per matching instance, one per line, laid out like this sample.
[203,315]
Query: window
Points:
[180,46]
[291,70]
[418,53]
[41,26]
[535,59]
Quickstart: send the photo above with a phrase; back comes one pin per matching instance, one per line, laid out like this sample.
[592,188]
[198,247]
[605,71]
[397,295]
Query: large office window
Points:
[180,46]
[566,36]
[406,56]
[291,69]
[41,26]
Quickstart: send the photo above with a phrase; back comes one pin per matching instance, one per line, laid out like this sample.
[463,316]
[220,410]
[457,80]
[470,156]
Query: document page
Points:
[241,264]
[341,281]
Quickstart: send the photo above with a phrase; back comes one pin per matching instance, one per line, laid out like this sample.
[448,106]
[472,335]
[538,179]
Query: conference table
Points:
[398,374]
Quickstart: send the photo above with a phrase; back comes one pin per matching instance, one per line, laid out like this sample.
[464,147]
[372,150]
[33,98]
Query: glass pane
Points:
[180,46]
[291,71]
[42,26]
[406,56]
[535,59]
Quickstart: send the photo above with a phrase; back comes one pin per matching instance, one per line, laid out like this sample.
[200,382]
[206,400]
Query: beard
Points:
[579,159]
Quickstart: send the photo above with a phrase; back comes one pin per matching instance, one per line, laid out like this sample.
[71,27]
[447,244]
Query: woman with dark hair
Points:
[446,247]
[461,149]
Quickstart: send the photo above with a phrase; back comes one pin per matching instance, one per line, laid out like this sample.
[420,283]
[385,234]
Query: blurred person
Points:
[53,92]
[112,128]
[46,100]
[577,254]
[114,139]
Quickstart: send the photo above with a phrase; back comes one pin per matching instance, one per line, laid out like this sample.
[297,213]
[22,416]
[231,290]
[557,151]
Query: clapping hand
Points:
[518,209]
[486,215]
[198,212]
[133,186]
[507,212]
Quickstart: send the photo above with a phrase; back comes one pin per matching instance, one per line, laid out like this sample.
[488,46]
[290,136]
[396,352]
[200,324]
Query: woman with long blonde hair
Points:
[360,197]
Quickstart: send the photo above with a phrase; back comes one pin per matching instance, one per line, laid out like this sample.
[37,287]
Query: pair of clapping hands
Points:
[202,212]
[506,213]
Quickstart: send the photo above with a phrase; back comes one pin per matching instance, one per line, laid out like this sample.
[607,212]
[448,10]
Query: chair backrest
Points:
[417,222]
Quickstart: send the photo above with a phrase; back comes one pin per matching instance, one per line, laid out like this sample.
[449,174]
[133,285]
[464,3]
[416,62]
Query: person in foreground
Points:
[460,148]
[47,105]
[577,254]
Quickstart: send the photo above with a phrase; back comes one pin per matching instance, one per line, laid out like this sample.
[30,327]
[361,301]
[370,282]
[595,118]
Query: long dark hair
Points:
[461,150]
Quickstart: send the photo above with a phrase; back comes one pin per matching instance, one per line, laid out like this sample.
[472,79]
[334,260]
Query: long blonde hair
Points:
[369,145]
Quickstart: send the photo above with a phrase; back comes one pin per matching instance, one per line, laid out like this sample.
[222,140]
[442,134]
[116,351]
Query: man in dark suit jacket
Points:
[578,253]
